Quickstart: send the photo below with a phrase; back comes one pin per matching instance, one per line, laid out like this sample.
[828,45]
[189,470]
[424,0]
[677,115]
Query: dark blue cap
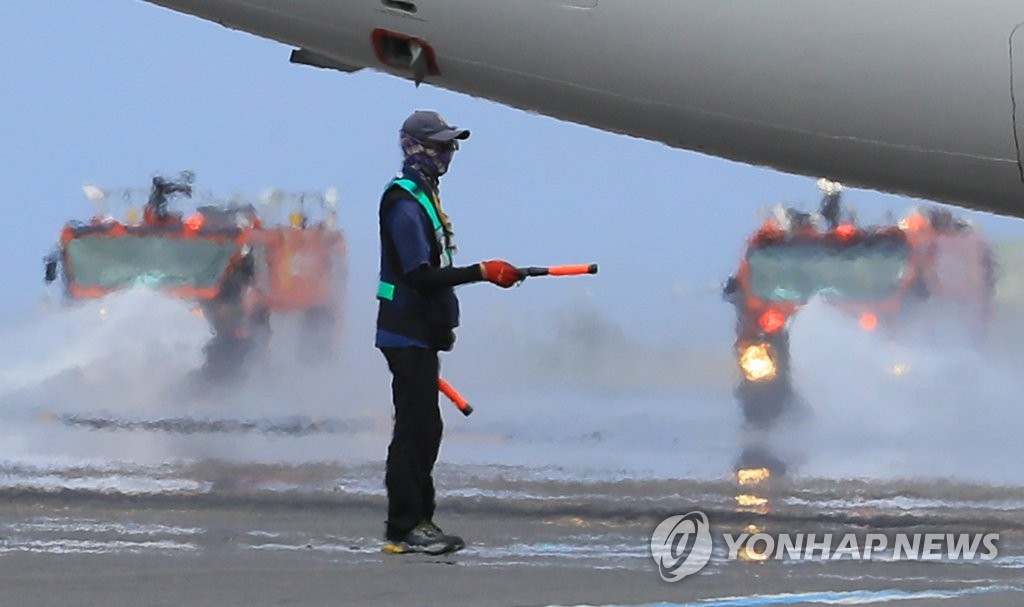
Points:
[425,125]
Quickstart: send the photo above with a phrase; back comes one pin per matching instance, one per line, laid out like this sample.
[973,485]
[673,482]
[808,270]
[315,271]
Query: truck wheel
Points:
[763,403]
[317,343]
[225,357]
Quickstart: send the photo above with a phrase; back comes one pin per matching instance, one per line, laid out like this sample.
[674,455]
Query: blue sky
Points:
[112,92]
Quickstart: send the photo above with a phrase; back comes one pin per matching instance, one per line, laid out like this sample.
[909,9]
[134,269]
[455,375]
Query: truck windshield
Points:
[796,271]
[158,262]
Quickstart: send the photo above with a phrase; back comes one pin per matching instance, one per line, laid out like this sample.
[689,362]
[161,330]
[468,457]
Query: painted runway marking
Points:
[856,597]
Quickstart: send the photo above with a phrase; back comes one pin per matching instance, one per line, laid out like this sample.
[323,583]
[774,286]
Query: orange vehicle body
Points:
[236,270]
[957,268]
[173,231]
[305,276]
[300,261]
[761,315]
[952,266]
[925,263]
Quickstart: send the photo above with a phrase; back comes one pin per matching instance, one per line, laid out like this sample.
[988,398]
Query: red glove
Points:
[501,273]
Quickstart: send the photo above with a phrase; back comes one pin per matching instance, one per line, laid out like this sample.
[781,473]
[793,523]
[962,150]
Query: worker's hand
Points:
[501,273]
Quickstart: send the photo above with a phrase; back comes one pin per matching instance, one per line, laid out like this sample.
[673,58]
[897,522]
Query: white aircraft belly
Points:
[911,96]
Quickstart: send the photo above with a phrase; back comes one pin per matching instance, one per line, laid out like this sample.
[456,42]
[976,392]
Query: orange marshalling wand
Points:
[571,270]
[454,396]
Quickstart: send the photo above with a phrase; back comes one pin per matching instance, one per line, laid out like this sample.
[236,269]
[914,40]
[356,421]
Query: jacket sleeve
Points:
[408,235]
[428,277]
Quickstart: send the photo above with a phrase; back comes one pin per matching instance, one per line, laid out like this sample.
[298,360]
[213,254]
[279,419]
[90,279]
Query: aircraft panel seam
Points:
[1013,105]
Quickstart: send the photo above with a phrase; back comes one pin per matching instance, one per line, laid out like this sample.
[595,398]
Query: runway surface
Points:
[125,488]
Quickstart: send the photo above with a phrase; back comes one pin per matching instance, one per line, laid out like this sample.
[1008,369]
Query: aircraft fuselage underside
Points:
[917,97]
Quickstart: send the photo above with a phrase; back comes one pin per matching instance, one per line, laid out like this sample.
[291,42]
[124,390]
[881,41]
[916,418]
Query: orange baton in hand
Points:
[454,396]
[572,270]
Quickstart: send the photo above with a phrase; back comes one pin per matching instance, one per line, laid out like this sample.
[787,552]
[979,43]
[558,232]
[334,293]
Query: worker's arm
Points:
[405,223]
[429,277]
[496,271]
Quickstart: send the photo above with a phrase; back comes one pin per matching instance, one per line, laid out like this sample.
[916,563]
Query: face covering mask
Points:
[430,160]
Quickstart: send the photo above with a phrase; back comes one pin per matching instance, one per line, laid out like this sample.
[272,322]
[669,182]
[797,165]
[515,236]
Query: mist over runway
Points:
[108,457]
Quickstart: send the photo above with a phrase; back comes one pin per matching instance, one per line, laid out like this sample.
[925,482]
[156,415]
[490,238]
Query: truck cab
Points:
[888,279]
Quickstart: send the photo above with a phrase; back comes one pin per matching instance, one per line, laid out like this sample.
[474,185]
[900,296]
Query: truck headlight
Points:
[757,363]
[753,476]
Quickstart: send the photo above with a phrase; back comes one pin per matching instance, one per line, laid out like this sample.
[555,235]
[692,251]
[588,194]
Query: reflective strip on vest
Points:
[425,201]
[386,290]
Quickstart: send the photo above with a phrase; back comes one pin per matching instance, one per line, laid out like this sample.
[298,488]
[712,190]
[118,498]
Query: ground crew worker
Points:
[417,315]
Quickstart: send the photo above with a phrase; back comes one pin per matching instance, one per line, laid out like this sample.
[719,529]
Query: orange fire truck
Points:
[887,278]
[236,269]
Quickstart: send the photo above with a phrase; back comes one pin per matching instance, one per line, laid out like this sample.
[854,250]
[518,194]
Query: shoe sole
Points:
[432,549]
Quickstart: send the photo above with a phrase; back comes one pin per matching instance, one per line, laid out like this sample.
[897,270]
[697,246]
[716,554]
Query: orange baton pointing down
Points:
[573,270]
[454,396]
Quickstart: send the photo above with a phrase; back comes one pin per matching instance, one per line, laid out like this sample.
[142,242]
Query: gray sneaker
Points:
[426,539]
[431,529]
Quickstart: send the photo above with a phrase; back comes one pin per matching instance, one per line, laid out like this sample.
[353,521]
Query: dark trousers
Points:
[416,438]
